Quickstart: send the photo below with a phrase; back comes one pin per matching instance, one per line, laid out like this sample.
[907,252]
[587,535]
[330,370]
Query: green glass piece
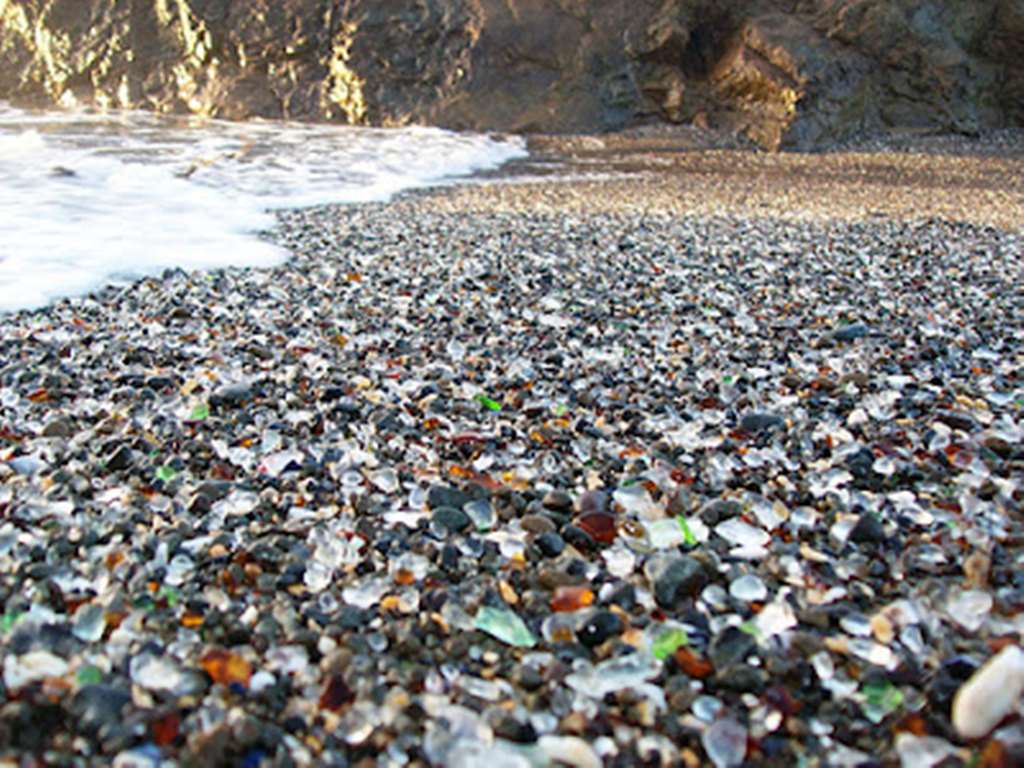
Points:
[170,594]
[89,675]
[200,413]
[488,403]
[688,537]
[8,620]
[166,473]
[145,603]
[880,699]
[505,625]
[561,410]
[666,643]
[750,629]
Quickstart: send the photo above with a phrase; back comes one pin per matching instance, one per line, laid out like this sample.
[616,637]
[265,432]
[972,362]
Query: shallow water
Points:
[90,198]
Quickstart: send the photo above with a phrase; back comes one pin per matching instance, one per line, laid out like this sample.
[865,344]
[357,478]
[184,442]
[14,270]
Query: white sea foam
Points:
[87,199]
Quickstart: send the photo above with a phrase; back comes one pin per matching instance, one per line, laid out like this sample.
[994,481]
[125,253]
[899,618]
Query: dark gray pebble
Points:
[446,496]
[683,578]
[729,647]
[550,544]
[852,332]
[451,519]
[760,422]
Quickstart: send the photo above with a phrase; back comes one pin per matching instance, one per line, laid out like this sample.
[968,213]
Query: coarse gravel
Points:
[704,456]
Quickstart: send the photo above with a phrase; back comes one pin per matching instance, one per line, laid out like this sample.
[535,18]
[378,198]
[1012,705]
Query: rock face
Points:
[787,73]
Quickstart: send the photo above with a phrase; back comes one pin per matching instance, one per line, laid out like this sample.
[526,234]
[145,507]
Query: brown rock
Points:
[787,73]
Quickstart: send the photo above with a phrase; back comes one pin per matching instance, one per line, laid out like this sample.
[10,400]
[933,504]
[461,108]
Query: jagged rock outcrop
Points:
[787,73]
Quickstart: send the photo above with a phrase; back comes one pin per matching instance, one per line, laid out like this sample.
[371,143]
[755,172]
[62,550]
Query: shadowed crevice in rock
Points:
[784,73]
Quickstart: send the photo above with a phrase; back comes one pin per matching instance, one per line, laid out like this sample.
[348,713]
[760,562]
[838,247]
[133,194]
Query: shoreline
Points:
[691,172]
[707,459]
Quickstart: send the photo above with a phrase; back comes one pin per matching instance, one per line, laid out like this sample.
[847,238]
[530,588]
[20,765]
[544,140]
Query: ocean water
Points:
[89,199]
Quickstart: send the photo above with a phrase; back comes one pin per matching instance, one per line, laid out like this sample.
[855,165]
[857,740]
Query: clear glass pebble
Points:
[89,623]
[922,751]
[481,513]
[155,673]
[970,608]
[856,624]
[19,671]
[706,708]
[725,742]
[742,534]
[749,589]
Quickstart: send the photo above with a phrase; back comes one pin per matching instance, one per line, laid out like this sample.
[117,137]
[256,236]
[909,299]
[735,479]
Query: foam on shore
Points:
[90,198]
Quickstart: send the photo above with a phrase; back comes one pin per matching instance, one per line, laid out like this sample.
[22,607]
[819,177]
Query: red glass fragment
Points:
[165,729]
[336,694]
[568,599]
[600,525]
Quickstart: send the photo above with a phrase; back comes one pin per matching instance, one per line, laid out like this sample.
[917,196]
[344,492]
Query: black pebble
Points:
[120,459]
[579,538]
[868,530]
[599,628]
[550,544]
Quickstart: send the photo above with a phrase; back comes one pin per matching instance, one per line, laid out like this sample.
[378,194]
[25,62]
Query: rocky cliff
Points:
[787,73]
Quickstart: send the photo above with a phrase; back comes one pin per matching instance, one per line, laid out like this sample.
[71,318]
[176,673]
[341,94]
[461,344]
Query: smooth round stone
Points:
[559,501]
[860,463]
[120,459]
[511,729]
[599,628]
[729,647]
[568,750]
[758,421]
[97,705]
[743,678]
[231,395]
[579,538]
[592,501]
[446,496]
[749,589]
[59,426]
[990,694]
[868,530]
[451,520]
[537,524]
[719,509]
[682,578]
[852,332]
[550,544]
